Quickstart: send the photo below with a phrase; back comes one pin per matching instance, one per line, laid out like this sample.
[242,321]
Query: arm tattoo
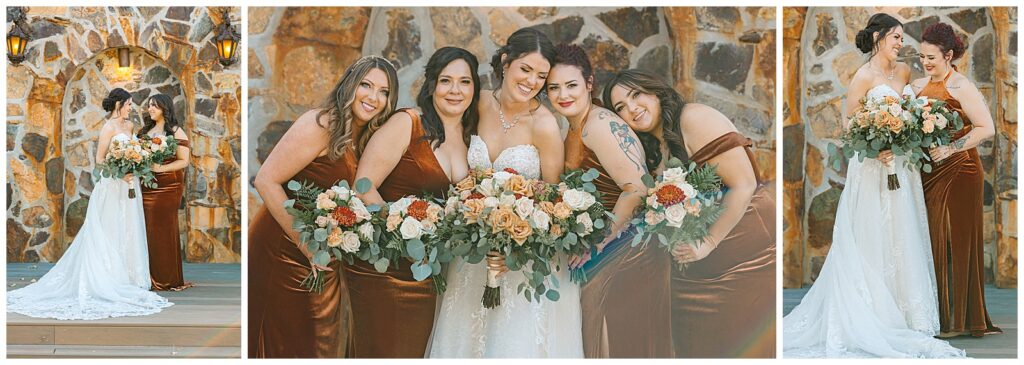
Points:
[960,143]
[628,144]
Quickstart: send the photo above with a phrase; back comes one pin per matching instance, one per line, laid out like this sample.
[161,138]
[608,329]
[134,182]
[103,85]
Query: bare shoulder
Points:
[180,134]
[399,120]
[919,84]
[544,121]
[702,124]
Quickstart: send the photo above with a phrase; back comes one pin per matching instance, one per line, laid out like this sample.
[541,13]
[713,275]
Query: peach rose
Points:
[502,219]
[520,230]
[472,209]
[556,230]
[393,221]
[519,185]
[928,126]
[466,184]
[547,207]
[562,211]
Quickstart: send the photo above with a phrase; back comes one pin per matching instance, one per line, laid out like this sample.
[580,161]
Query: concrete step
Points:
[51,351]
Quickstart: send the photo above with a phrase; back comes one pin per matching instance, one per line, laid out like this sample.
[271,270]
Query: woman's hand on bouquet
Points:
[886,157]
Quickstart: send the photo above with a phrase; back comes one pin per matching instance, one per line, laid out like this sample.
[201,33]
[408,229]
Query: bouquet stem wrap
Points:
[492,291]
[131,193]
[894,182]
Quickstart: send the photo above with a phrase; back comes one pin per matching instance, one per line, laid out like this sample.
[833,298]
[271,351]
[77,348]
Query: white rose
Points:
[674,175]
[687,189]
[524,207]
[451,205]
[322,221]
[349,242]
[940,121]
[342,192]
[411,228]
[577,199]
[401,205]
[652,201]
[325,203]
[359,208]
[428,227]
[541,220]
[507,200]
[587,223]
[490,202]
[675,215]
[501,177]
[486,187]
[366,230]
[331,194]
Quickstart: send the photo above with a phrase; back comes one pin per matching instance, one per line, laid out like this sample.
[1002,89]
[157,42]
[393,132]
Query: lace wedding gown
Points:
[105,271]
[517,328]
[876,294]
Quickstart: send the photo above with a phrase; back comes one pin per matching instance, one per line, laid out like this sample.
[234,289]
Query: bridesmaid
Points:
[415,152]
[322,147]
[953,191]
[723,302]
[161,203]
[512,114]
[625,305]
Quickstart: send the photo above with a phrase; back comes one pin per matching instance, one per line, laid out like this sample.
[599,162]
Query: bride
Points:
[875,295]
[515,131]
[105,271]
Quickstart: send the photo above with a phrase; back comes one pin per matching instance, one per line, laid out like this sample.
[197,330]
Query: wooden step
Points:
[51,351]
[205,321]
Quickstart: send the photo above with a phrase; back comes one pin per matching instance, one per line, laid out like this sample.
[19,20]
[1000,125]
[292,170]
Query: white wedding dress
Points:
[518,328]
[105,271]
[876,294]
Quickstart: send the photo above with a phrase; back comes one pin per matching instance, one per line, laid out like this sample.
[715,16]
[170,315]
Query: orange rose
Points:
[466,184]
[556,230]
[561,211]
[547,207]
[520,230]
[473,208]
[519,185]
[502,219]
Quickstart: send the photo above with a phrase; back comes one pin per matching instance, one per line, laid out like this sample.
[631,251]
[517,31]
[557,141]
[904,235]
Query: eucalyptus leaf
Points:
[382,264]
[363,185]
[294,185]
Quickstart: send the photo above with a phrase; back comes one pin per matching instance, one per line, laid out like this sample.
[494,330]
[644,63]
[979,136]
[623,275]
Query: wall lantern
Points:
[226,40]
[124,59]
[18,37]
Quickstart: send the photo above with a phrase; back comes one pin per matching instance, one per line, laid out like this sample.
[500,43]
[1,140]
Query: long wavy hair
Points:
[433,128]
[671,108]
[337,108]
[166,106]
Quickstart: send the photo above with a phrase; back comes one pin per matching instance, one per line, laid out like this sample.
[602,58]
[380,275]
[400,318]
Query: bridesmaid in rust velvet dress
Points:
[321,147]
[161,203]
[723,302]
[625,301]
[415,152]
[953,191]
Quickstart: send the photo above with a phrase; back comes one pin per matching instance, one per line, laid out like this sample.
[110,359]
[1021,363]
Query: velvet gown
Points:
[285,319]
[954,198]
[162,232]
[392,313]
[723,306]
[625,305]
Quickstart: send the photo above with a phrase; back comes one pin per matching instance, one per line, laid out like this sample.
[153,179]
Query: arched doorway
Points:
[82,117]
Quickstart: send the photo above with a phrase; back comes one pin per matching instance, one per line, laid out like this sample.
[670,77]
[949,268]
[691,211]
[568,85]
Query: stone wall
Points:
[54,115]
[724,57]
[821,58]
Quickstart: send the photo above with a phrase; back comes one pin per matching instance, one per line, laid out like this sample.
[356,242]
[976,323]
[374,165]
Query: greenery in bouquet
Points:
[578,220]
[411,231]
[128,157]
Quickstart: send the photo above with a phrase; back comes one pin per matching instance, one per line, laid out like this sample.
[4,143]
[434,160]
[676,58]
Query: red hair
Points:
[943,36]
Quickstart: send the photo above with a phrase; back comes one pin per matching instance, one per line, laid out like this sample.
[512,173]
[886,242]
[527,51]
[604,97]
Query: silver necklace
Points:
[892,73]
[505,125]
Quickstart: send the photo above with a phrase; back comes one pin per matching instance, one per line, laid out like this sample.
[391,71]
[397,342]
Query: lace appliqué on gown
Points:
[518,327]
[876,293]
[105,271]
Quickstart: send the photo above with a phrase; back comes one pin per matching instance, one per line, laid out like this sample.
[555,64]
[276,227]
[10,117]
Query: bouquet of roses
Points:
[937,124]
[881,124]
[680,206]
[333,222]
[128,157]
[496,217]
[162,148]
[410,231]
[573,217]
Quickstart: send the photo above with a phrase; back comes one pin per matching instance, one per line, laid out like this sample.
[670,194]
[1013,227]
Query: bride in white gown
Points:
[876,293]
[105,271]
[517,328]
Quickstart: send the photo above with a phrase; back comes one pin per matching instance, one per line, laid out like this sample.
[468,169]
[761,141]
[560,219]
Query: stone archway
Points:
[82,117]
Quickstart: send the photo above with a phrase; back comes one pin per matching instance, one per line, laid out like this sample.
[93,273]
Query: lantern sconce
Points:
[124,59]
[226,40]
[19,35]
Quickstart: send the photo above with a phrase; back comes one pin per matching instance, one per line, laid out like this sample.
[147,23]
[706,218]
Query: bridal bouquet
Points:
[571,216]
[883,124]
[128,157]
[411,231]
[496,218]
[680,206]
[333,222]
